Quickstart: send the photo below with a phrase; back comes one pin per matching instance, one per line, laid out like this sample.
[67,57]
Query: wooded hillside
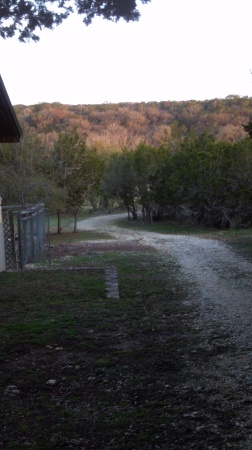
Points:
[188,161]
[110,127]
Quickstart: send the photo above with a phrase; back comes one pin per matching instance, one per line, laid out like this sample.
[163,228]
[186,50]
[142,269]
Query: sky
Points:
[178,50]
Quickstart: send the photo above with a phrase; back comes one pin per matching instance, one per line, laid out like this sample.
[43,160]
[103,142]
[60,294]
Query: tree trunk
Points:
[59,221]
[134,210]
[76,215]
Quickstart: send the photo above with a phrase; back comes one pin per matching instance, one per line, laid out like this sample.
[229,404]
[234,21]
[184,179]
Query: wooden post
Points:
[2,248]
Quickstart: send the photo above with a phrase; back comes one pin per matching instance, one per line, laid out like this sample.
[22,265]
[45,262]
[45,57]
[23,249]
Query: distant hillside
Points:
[110,127]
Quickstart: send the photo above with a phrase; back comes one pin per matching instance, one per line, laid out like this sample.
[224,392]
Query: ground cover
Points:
[81,371]
[89,370]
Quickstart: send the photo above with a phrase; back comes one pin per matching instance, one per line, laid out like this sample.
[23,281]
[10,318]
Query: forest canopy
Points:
[110,127]
[25,17]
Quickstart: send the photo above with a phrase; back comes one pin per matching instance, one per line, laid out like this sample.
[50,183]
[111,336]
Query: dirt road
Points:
[220,280]
[219,285]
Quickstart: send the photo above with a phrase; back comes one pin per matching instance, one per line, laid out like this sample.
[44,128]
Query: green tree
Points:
[146,163]
[76,170]
[26,17]
[119,181]
[202,181]
[24,173]
[97,161]
[162,183]
[211,181]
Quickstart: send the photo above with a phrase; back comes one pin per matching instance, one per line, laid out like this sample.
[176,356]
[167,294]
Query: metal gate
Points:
[26,235]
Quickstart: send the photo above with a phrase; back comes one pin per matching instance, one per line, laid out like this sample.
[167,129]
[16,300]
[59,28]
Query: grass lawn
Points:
[90,372]
[81,371]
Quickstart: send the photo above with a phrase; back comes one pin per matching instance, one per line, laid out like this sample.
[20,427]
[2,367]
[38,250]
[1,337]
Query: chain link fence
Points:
[26,235]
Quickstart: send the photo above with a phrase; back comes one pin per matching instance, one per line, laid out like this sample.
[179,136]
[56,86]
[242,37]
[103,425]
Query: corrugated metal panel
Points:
[10,130]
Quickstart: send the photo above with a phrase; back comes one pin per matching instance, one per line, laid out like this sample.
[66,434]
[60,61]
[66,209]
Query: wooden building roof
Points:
[10,130]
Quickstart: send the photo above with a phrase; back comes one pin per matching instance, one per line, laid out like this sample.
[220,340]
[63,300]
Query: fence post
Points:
[21,238]
[2,248]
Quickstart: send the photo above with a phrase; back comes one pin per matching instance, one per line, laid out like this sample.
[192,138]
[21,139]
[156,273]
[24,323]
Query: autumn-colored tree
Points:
[111,127]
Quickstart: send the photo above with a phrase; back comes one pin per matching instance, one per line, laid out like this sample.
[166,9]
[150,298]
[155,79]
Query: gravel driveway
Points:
[219,284]
[220,280]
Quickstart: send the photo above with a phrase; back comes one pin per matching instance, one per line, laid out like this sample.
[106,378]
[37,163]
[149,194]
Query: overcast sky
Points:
[179,50]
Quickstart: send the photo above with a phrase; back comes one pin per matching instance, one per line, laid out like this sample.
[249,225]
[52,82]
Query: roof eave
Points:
[10,130]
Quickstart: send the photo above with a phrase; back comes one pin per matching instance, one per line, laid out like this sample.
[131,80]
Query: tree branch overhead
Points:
[25,18]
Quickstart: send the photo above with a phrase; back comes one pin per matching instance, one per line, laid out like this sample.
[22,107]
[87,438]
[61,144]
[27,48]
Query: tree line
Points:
[196,179]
